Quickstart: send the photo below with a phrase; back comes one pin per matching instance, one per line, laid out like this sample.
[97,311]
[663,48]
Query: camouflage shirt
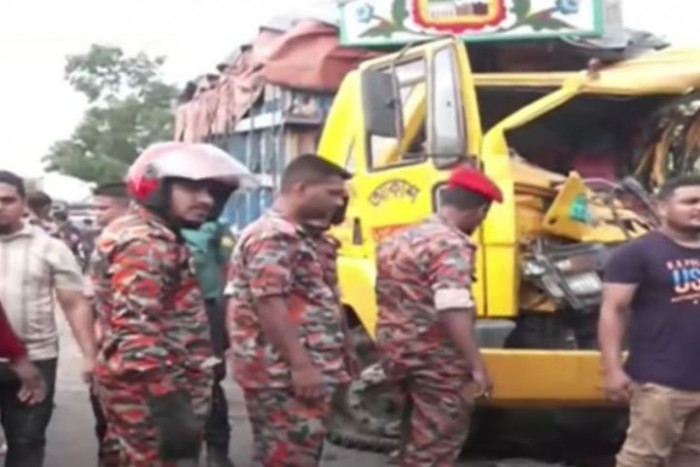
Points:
[274,257]
[421,272]
[148,299]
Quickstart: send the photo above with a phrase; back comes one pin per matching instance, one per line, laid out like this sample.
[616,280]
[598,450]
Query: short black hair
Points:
[111,190]
[310,169]
[14,180]
[38,199]
[668,189]
[462,199]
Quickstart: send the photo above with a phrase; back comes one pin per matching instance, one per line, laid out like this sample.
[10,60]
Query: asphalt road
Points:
[71,441]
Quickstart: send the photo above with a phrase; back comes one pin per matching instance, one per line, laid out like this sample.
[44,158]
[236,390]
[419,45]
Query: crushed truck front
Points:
[541,252]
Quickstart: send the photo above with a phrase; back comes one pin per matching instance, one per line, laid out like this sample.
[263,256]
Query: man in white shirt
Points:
[38,275]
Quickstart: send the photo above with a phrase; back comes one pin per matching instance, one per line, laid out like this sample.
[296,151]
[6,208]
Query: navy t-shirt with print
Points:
[664,324]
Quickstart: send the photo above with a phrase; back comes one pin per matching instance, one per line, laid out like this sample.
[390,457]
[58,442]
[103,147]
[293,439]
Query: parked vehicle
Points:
[560,144]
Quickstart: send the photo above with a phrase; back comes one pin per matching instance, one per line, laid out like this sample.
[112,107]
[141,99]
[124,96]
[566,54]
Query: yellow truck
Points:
[401,122]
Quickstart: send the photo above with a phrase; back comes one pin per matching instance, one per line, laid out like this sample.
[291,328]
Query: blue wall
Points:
[264,142]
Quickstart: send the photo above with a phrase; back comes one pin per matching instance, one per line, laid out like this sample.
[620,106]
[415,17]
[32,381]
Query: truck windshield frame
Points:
[432,112]
[448,144]
[410,73]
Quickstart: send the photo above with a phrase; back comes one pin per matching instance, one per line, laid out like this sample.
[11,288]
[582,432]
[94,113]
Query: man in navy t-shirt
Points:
[652,291]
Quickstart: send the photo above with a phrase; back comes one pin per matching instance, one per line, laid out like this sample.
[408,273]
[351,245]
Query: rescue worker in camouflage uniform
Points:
[426,321]
[110,201]
[289,348]
[328,247]
[154,370]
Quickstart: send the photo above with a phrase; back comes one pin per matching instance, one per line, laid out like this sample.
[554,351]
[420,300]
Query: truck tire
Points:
[364,414]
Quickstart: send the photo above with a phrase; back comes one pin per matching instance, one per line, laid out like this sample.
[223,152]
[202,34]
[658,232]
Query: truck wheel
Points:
[366,414]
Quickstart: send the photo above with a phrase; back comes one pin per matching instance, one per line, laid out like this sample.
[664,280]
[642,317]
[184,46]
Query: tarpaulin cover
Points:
[307,57]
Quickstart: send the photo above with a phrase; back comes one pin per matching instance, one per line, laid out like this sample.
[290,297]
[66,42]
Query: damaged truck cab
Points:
[400,123]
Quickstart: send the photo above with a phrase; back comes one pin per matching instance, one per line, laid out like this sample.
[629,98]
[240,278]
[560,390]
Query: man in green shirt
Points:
[211,247]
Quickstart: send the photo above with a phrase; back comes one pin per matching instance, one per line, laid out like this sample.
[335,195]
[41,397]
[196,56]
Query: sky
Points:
[38,107]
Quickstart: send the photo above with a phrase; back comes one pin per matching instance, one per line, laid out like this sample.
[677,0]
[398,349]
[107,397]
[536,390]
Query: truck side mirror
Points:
[380,103]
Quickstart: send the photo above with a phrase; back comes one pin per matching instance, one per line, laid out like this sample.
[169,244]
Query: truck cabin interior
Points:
[599,136]
[642,119]
[650,136]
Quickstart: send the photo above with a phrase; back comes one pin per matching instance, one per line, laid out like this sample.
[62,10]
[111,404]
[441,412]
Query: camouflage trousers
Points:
[287,431]
[107,449]
[436,417]
[131,439]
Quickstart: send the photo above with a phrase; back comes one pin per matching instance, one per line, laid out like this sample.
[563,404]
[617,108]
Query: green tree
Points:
[130,106]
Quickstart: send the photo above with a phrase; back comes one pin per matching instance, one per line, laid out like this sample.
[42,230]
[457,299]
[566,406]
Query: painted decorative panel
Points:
[388,22]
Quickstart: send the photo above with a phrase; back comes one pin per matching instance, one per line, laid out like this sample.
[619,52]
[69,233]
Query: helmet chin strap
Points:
[220,199]
[159,205]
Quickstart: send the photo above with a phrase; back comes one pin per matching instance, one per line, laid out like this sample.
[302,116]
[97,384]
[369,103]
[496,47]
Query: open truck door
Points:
[420,104]
[398,123]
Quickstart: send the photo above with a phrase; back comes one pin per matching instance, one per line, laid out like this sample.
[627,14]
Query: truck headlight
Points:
[586,283]
[533,268]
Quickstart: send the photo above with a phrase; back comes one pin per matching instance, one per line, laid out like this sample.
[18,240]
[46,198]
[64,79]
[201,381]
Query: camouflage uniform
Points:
[274,257]
[421,272]
[156,333]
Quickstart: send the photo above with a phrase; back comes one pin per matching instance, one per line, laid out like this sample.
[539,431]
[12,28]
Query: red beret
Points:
[475,181]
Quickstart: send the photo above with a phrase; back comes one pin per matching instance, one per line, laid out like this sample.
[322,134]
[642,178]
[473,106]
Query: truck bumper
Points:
[546,378]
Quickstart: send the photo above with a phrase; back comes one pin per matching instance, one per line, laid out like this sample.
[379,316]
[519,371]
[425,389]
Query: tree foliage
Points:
[129,107]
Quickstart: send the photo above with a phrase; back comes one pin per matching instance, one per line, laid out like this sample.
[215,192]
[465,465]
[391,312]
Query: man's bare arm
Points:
[81,320]
[69,283]
[612,323]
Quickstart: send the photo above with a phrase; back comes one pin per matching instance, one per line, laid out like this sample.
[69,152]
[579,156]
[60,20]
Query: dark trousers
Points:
[25,425]
[218,430]
[100,422]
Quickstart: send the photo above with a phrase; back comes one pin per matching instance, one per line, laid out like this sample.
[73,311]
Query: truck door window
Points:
[350,158]
[448,143]
[386,152]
